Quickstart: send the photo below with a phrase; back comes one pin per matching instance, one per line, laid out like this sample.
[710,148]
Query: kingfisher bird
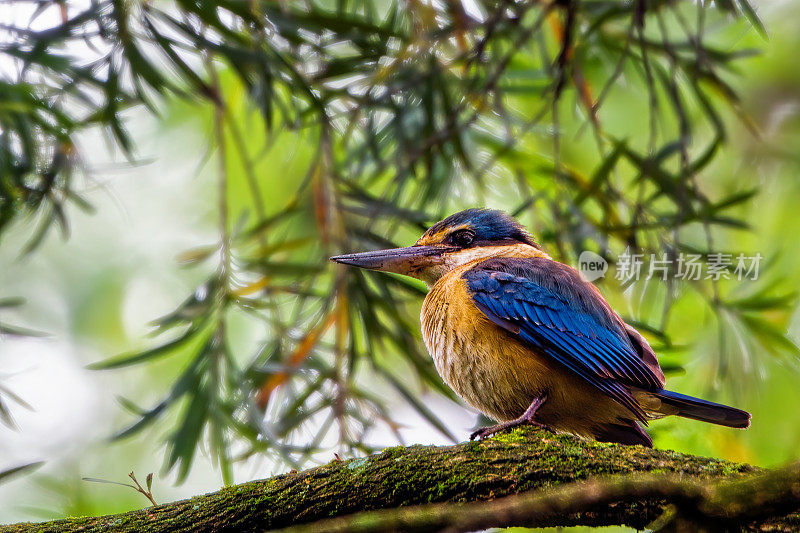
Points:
[525,340]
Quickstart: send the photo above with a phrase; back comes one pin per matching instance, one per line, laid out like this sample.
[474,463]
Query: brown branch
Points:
[539,467]
[697,506]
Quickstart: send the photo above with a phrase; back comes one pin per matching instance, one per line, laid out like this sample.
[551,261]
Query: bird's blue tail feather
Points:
[703,410]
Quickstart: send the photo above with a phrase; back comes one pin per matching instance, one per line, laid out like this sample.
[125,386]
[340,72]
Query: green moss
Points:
[395,452]
[512,436]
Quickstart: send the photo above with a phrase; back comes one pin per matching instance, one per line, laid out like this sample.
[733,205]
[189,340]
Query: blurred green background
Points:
[151,242]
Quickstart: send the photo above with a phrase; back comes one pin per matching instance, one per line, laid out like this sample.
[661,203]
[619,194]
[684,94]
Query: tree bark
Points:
[631,485]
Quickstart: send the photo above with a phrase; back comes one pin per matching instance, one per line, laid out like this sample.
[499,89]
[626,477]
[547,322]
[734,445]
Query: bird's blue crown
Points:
[489,225]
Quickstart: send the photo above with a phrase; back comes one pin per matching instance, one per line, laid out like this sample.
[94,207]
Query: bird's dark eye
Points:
[462,237]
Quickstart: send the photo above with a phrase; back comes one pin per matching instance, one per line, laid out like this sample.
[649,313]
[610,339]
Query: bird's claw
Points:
[482,433]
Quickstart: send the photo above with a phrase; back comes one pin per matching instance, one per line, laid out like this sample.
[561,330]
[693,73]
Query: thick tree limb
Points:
[645,484]
[696,505]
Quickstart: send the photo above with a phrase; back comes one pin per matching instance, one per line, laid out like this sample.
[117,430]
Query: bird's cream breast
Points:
[478,360]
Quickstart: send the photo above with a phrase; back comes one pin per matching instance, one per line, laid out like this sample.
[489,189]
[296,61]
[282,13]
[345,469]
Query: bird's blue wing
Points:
[548,306]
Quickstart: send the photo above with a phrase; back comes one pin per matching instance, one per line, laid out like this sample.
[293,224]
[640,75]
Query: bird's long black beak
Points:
[408,261]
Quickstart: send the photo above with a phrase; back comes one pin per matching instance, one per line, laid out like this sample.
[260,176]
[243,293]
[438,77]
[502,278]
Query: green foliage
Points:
[146,492]
[5,474]
[407,112]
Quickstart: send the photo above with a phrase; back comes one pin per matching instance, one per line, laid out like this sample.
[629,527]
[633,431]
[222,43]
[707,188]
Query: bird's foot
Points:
[525,420]
[488,431]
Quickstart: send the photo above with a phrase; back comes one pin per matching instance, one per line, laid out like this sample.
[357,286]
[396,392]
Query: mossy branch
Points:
[630,485]
[690,504]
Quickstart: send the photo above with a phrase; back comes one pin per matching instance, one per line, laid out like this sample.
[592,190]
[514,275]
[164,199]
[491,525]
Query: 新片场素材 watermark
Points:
[684,266]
